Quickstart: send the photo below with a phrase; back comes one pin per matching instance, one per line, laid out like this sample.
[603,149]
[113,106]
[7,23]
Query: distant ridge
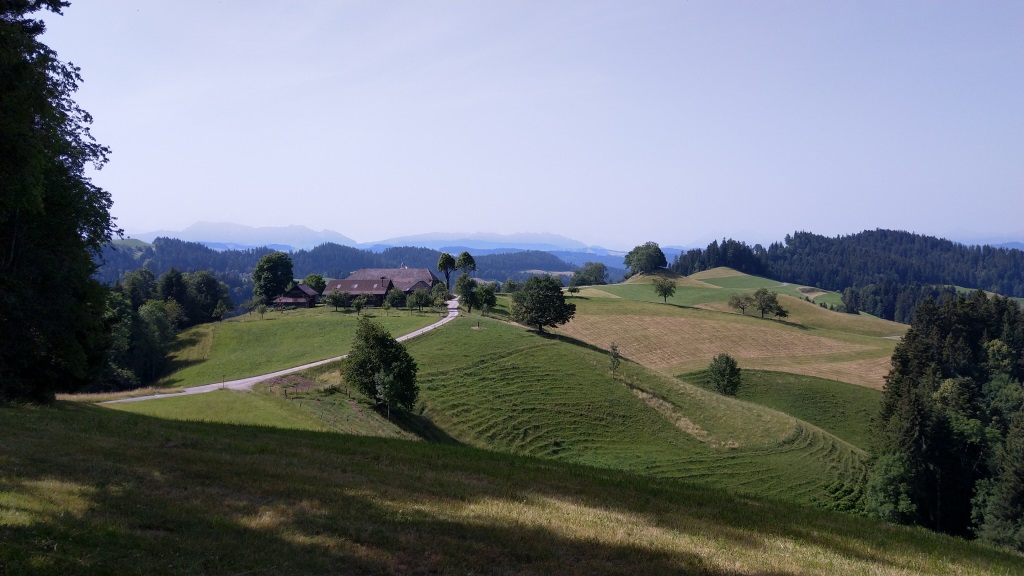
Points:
[229,236]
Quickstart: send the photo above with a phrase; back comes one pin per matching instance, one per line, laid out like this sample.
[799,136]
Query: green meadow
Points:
[135,494]
[249,345]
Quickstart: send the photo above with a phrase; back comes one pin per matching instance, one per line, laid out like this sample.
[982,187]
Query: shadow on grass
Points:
[420,425]
[140,495]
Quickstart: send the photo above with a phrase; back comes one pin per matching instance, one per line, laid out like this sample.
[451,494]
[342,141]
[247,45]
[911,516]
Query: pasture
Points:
[135,494]
[249,345]
[697,324]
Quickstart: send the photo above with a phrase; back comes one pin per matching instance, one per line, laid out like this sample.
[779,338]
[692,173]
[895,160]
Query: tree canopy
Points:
[445,265]
[53,219]
[590,274]
[645,258]
[540,302]
[272,275]
[948,440]
[665,288]
[767,302]
[724,375]
[380,367]
[465,262]
[316,282]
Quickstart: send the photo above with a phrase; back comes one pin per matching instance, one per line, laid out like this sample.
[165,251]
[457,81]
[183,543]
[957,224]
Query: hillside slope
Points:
[138,495]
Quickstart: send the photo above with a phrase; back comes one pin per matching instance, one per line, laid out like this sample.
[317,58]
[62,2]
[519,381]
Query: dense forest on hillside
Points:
[888,272]
[233,267]
[949,438]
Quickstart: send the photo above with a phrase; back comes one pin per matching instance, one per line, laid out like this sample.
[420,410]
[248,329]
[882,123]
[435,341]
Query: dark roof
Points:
[302,292]
[291,300]
[359,286]
[404,278]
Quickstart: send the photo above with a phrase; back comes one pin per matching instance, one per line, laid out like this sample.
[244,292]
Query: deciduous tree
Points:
[445,265]
[381,367]
[664,287]
[766,302]
[645,258]
[465,288]
[53,219]
[316,282]
[540,303]
[724,375]
[272,275]
[591,274]
[465,262]
[741,302]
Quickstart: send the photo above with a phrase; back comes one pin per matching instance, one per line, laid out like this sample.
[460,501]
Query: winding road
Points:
[247,383]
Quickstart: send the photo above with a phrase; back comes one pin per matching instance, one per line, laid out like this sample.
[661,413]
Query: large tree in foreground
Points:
[540,303]
[53,219]
[645,258]
[381,367]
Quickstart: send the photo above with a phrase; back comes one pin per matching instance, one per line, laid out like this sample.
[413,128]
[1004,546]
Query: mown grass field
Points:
[249,345]
[493,385]
[134,494]
[845,410]
[697,324]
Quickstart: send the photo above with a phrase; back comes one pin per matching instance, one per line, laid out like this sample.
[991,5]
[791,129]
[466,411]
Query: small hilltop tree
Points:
[724,375]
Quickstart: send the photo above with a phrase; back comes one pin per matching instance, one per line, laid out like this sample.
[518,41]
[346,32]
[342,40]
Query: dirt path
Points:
[248,383]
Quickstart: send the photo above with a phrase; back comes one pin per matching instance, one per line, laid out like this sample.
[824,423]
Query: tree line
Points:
[889,272]
[234,267]
[949,440]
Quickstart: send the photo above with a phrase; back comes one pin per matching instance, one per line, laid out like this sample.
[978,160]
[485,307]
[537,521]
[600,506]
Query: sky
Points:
[612,123]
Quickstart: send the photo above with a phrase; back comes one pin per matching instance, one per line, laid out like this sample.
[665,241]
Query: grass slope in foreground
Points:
[138,495]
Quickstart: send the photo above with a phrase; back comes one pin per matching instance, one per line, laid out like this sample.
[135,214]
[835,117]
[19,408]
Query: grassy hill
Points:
[248,345]
[697,324]
[139,495]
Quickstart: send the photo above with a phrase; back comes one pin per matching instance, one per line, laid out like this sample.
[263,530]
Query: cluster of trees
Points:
[473,294]
[890,272]
[144,314]
[645,258]
[763,300]
[590,274]
[950,434]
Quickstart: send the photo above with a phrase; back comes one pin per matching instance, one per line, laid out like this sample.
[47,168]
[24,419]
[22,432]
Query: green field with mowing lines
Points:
[249,345]
[503,388]
[844,410]
[140,495]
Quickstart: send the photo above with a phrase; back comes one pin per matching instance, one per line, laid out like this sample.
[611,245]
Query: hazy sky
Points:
[612,123]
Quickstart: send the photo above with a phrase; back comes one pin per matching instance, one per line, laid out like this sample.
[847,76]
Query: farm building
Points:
[407,280]
[301,296]
[373,289]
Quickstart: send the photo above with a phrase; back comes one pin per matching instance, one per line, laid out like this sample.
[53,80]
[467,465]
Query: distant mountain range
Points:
[228,236]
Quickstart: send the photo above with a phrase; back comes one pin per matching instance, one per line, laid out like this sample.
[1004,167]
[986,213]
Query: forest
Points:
[949,441]
[883,272]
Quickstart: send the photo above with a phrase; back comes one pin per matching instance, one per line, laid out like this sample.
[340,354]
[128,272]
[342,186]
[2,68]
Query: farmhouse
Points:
[407,280]
[301,296]
[373,289]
